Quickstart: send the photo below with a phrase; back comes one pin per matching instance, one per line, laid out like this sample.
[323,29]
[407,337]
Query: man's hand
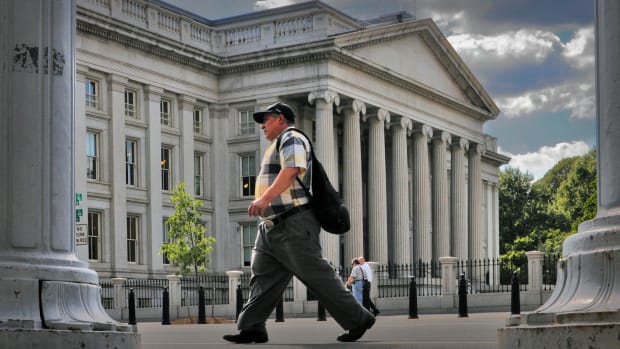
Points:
[257,207]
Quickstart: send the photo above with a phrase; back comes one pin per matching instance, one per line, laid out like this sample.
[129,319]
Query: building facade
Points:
[165,96]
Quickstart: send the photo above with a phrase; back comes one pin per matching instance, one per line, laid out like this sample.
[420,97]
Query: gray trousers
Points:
[293,248]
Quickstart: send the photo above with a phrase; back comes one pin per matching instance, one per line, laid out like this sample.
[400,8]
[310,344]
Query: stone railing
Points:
[278,30]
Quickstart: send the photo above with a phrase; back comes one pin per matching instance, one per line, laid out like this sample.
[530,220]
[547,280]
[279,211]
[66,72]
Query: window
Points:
[92,155]
[166,175]
[248,175]
[130,104]
[166,228]
[197,121]
[94,235]
[92,93]
[246,123]
[198,180]
[164,112]
[132,239]
[248,234]
[131,153]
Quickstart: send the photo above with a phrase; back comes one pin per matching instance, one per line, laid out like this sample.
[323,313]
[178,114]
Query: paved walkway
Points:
[478,331]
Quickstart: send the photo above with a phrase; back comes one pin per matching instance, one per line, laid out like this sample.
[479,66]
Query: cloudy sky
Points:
[534,57]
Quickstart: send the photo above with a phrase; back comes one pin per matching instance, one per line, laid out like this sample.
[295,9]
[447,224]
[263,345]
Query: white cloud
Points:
[579,52]
[524,45]
[575,97]
[541,161]
[267,4]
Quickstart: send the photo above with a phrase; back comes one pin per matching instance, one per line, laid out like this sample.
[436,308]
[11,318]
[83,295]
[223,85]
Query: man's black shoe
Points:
[356,333]
[247,337]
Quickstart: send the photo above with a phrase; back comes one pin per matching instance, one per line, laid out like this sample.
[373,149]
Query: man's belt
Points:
[281,217]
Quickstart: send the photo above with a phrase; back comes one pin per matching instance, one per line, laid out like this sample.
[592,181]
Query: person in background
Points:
[367,300]
[355,281]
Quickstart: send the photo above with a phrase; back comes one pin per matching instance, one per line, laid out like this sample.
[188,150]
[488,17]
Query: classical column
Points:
[325,148]
[458,203]
[474,202]
[582,312]
[118,228]
[422,238]
[441,205]
[186,124]
[48,298]
[377,202]
[400,191]
[153,147]
[352,177]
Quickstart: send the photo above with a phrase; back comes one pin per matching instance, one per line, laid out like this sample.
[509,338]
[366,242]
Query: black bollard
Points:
[202,316]
[132,307]
[280,310]
[413,299]
[320,312]
[462,296]
[239,301]
[515,301]
[165,314]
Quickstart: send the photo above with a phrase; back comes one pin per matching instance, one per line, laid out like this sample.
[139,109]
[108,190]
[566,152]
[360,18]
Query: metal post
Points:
[132,307]
[165,316]
[462,296]
[280,310]
[202,316]
[239,300]
[320,312]
[515,301]
[413,299]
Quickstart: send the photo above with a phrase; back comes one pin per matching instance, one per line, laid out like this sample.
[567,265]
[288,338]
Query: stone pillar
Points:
[400,191]
[448,275]
[422,238]
[325,148]
[186,124]
[234,280]
[118,209]
[153,145]
[352,177]
[474,204]
[458,203]
[120,301]
[374,283]
[300,291]
[534,270]
[48,298]
[377,202]
[582,312]
[441,205]
[174,290]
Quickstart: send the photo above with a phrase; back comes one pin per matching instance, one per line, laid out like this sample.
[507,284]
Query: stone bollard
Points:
[515,301]
[413,299]
[132,307]
[165,313]
[202,316]
[462,296]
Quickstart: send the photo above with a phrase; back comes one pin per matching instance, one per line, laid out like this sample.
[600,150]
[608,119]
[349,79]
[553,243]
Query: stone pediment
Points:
[418,52]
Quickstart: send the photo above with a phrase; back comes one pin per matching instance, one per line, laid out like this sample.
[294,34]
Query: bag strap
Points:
[306,189]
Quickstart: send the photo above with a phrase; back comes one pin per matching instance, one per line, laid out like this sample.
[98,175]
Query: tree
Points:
[188,246]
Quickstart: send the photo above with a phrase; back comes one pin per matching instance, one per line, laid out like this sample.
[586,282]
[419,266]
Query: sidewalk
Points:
[478,331]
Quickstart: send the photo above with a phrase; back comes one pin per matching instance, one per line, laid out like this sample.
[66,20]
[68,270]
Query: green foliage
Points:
[540,215]
[188,246]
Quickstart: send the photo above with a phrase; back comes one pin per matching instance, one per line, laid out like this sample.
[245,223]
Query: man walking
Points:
[367,300]
[287,242]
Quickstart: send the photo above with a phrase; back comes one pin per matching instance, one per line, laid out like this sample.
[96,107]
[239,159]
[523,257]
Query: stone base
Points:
[591,336]
[59,339]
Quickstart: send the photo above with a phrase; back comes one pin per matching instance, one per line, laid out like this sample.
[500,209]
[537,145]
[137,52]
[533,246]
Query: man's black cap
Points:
[276,108]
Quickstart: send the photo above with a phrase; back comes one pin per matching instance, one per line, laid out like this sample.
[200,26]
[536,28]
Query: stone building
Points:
[165,96]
